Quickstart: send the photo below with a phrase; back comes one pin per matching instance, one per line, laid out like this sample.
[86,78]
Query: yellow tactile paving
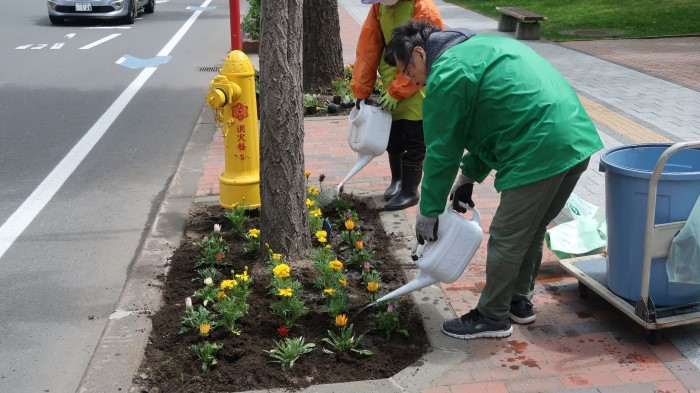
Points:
[620,124]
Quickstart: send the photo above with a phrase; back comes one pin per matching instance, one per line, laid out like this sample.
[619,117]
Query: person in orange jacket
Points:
[400,95]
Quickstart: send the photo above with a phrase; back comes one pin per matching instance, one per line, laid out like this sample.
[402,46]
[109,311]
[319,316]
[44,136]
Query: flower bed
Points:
[354,263]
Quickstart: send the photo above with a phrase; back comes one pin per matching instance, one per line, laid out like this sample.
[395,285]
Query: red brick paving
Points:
[574,343]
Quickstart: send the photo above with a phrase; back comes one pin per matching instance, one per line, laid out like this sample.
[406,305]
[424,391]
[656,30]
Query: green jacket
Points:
[508,107]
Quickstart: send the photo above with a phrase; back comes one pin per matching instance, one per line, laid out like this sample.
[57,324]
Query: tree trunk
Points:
[323,50]
[284,223]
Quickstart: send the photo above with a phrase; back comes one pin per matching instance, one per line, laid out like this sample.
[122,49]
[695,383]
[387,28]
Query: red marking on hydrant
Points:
[239,111]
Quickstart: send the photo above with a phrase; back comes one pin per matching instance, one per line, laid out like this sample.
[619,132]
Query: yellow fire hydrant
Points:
[231,97]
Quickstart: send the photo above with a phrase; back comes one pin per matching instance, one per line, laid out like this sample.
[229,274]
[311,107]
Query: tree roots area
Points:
[170,364]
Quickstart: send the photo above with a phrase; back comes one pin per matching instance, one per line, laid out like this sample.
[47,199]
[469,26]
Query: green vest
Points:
[410,108]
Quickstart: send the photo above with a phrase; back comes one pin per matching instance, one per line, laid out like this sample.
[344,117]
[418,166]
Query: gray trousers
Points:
[514,250]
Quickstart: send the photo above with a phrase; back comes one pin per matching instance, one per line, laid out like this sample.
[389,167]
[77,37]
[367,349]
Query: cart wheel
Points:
[582,290]
[653,337]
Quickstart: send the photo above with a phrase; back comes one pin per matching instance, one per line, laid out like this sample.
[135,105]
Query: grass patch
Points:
[633,18]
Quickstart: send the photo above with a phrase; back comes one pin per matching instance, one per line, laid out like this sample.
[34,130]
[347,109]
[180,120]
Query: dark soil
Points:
[169,364]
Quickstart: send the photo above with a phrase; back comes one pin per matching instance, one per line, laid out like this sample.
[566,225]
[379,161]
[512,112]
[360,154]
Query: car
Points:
[124,10]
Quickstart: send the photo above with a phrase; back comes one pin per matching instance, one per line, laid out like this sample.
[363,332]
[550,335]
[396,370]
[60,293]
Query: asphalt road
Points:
[90,137]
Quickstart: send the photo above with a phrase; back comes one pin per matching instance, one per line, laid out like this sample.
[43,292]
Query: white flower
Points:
[217,228]
[188,302]
[208,281]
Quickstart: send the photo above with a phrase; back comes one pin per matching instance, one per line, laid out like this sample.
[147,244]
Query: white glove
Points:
[426,228]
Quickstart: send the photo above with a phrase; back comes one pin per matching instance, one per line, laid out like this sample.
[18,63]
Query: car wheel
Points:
[130,17]
[150,7]
[55,20]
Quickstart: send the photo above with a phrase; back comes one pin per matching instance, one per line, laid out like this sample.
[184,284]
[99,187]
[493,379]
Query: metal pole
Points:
[235,11]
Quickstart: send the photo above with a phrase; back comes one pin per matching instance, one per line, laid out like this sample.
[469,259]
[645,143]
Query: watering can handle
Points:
[417,250]
[475,213]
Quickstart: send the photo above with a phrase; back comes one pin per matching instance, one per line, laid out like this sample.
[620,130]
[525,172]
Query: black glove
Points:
[426,228]
[462,192]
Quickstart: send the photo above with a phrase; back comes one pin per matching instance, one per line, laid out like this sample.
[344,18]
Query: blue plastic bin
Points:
[628,170]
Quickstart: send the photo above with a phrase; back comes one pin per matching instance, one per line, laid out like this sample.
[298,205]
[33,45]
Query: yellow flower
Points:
[341,320]
[243,276]
[313,191]
[322,240]
[343,282]
[329,291]
[335,265]
[328,246]
[286,292]
[372,286]
[359,245]
[228,284]
[204,329]
[254,232]
[316,213]
[349,225]
[321,233]
[221,295]
[307,174]
[281,271]
[309,203]
[276,257]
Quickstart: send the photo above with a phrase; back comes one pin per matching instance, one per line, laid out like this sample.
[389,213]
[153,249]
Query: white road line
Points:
[107,27]
[40,197]
[39,46]
[24,46]
[101,41]
[71,35]
[58,45]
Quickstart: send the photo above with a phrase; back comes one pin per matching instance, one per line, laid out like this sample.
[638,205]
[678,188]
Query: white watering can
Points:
[369,136]
[445,259]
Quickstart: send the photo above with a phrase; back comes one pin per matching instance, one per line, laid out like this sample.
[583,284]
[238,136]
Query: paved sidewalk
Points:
[575,345]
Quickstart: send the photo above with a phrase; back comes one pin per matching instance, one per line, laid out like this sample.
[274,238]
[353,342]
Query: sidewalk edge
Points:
[121,347]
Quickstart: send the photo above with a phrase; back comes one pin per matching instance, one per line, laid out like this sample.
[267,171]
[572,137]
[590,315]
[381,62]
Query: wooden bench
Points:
[524,23]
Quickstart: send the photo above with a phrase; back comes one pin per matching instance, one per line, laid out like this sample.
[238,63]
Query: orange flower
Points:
[359,245]
[341,320]
[349,225]
[372,286]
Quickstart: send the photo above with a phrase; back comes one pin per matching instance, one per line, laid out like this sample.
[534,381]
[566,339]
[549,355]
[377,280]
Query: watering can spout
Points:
[423,280]
[362,161]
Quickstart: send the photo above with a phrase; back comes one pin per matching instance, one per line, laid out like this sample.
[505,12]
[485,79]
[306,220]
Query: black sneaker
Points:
[521,312]
[475,325]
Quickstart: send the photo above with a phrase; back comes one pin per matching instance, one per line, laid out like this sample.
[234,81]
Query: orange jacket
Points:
[370,49]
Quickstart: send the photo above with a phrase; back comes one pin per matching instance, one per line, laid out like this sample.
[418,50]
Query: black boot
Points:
[395,186]
[411,176]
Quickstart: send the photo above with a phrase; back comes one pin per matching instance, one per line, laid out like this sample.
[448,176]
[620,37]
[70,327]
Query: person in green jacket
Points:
[513,113]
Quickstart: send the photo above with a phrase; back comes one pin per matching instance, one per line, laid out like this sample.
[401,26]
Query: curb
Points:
[119,351]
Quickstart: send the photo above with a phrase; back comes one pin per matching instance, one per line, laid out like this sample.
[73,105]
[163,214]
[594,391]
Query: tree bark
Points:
[284,223]
[323,50]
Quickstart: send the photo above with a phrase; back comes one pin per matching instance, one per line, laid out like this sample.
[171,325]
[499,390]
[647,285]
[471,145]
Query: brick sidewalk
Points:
[575,345]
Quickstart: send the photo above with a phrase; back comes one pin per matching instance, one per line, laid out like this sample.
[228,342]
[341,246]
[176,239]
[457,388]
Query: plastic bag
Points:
[577,237]
[583,235]
[683,263]
[577,207]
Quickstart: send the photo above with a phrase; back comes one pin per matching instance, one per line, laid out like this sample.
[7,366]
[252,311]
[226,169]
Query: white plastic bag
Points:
[581,236]
[683,263]
[369,135]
